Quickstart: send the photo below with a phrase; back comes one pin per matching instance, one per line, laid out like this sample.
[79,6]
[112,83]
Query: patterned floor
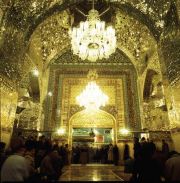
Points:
[91,172]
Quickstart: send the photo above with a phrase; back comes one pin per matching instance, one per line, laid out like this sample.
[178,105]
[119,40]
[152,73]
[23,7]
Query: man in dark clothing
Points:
[3,156]
[51,165]
[126,152]
[165,147]
[115,155]
[76,154]
[146,169]
[137,147]
[62,153]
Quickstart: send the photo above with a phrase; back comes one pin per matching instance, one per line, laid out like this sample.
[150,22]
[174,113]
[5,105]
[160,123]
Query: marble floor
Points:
[91,172]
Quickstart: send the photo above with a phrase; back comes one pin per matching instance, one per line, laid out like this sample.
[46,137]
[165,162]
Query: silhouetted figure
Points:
[67,155]
[96,156]
[110,154]
[76,154]
[51,165]
[106,153]
[3,155]
[103,156]
[126,152]
[91,154]
[152,144]
[128,161]
[30,158]
[160,157]
[137,147]
[84,155]
[30,155]
[143,140]
[172,167]
[146,169]
[115,155]
[41,150]
[165,147]
[62,153]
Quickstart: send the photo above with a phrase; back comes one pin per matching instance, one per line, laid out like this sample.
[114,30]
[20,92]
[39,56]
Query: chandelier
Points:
[93,40]
[92,97]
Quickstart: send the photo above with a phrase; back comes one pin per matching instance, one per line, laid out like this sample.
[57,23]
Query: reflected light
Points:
[96,178]
[124,131]
[95,131]
[61,131]
[35,72]
[50,94]
[92,97]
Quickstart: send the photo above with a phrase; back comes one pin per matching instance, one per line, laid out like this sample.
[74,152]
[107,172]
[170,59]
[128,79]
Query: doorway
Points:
[93,143]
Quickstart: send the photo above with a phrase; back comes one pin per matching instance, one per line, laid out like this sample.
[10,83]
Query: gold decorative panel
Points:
[90,119]
[8,102]
[112,87]
[107,90]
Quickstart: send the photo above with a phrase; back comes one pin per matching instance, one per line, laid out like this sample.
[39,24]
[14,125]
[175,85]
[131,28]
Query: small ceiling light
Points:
[50,94]
[35,72]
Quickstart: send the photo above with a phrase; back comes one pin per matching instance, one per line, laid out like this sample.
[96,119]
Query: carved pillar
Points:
[140,86]
[59,99]
[46,86]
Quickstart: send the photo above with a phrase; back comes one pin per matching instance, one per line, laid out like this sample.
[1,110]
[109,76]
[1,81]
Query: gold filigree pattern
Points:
[97,118]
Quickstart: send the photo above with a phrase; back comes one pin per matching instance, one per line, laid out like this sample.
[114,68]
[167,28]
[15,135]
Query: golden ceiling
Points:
[33,32]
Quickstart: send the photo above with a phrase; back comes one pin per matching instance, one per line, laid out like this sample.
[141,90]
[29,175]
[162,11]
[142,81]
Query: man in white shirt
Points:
[172,168]
[15,167]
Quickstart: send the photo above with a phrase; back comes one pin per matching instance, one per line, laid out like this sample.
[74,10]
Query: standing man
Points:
[115,155]
[165,148]
[137,147]
[15,167]
[172,167]
[110,154]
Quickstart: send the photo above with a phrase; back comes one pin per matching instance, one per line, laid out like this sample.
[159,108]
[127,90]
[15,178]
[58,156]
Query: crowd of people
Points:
[35,160]
[32,160]
[104,154]
[151,164]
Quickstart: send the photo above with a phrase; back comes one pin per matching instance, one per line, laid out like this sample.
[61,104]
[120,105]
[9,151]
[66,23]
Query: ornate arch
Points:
[91,119]
[97,118]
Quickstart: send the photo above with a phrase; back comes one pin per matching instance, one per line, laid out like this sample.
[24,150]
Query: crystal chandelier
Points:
[92,97]
[92,40]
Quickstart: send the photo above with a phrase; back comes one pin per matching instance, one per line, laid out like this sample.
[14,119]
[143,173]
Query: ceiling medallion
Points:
[93,40]
[92,97]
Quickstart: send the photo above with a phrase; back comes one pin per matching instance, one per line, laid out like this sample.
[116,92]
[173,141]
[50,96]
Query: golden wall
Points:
[111,87]
[8,104]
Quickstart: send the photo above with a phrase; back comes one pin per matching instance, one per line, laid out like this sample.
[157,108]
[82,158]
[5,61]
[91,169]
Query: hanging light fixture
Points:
[92,97]
[93,40]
